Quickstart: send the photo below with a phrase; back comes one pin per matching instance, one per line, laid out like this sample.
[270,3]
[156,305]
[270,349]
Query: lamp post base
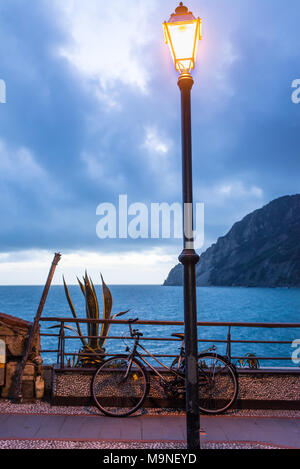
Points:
[189,258]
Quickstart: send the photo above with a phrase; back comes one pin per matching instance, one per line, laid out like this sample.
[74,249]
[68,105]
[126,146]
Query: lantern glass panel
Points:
[182,38]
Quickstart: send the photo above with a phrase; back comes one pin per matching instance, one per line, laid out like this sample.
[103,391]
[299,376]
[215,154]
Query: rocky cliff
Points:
[261,250]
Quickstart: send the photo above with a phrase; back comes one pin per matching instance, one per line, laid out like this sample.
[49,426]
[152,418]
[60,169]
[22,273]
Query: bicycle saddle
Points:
[180,336]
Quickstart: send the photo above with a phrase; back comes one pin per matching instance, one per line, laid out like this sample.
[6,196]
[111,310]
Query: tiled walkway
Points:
[92,428]
[278,431]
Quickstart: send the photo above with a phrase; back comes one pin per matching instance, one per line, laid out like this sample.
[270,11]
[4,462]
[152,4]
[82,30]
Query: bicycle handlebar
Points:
[131,321]
[134,332]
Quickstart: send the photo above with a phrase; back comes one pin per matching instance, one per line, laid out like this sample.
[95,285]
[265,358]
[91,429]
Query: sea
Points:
[155,302]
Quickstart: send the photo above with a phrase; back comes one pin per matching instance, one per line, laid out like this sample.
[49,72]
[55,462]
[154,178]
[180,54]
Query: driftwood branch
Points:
[34,329]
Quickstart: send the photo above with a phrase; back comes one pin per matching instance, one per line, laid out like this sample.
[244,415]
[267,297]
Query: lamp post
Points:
[182,33]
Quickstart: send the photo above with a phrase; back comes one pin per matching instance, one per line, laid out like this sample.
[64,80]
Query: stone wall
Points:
[270,389]
[14,331]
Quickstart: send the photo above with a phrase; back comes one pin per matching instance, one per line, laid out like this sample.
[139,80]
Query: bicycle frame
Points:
[134,353]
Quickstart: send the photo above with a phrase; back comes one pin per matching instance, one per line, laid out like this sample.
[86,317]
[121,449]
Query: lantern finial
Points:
[182,13]
[181,9]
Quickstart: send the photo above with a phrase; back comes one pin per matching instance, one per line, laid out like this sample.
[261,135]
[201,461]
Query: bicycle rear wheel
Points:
[119,386]
[218,384]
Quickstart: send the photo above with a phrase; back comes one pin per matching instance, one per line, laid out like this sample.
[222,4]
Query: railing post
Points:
[62,345]
[228,350]
[59,347]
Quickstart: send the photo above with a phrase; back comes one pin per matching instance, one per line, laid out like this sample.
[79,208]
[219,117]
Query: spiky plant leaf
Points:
[73,311]
[93,287]
[81,286]
[117,315]
[107,307]
[92,312]
[92,300]
[58,326]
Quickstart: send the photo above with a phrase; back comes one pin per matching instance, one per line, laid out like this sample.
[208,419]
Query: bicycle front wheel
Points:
[120,386]
[218,384]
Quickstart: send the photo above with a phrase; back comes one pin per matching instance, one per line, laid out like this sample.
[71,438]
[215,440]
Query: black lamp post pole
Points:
[189,259]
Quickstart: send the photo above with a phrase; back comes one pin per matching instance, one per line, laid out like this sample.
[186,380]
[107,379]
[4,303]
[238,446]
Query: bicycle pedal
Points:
[202,381]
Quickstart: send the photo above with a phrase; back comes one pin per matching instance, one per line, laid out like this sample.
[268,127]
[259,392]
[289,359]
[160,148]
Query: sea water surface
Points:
[154,302]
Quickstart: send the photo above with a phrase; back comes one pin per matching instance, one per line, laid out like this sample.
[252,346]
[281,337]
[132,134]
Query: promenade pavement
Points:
[274,431]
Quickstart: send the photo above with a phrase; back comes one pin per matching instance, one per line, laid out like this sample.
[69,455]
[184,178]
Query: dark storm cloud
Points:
[63,151]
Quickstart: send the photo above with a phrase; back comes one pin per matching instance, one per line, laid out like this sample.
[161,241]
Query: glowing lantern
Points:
[182,33]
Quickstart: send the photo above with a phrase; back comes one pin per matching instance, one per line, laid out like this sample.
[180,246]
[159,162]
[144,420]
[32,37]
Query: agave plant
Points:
[95,342]
[250,360]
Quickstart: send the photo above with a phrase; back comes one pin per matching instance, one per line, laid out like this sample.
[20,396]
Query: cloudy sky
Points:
[92,111]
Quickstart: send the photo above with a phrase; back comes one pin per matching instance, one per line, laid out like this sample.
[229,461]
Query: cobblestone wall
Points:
[14,331]
[256,390]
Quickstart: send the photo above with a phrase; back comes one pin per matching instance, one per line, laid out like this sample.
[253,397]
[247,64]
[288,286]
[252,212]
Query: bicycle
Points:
[121,383]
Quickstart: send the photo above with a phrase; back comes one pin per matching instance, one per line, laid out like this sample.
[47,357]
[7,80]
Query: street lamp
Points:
[182,33]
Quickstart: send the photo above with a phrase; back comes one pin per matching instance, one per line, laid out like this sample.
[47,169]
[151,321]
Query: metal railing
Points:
[228,340]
